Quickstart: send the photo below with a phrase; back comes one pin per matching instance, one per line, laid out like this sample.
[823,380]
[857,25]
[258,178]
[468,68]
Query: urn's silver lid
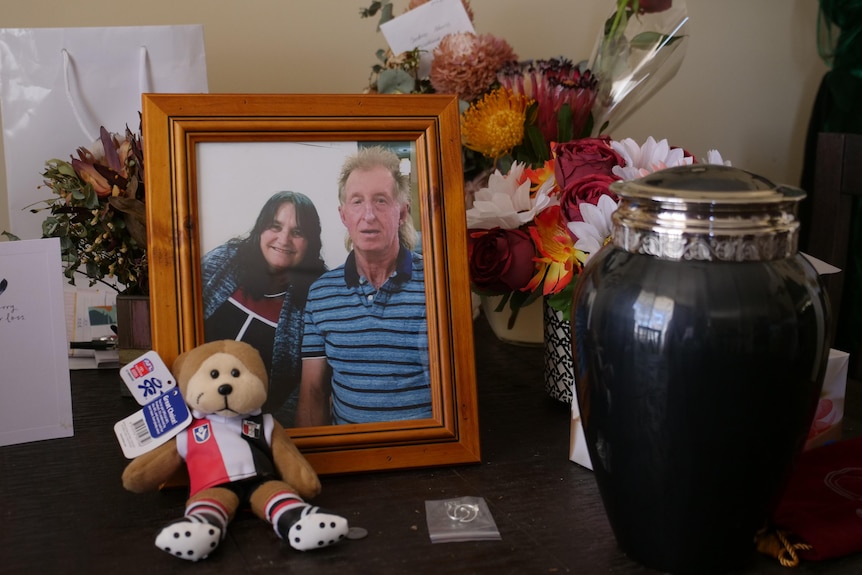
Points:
[707,183]
[707,212]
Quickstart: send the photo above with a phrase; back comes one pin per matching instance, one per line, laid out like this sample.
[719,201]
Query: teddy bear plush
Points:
[235,456]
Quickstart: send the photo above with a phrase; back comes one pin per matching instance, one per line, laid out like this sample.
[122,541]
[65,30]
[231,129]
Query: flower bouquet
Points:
[537,175]
[532,230]
[98,213]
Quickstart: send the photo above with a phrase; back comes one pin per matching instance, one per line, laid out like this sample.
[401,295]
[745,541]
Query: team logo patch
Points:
[250,429]
[202,433]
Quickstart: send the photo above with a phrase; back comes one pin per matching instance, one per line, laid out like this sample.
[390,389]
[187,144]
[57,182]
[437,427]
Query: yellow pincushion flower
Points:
[494,124]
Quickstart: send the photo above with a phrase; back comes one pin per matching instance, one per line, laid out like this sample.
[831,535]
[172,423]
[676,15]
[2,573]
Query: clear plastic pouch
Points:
[460,519]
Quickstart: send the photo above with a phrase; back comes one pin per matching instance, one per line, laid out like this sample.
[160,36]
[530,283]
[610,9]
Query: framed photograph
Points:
[232,172]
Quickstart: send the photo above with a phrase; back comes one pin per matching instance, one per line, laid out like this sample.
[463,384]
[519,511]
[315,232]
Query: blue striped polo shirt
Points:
[376,341]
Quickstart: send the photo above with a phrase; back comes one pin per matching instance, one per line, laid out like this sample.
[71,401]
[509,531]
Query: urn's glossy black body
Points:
[697,382]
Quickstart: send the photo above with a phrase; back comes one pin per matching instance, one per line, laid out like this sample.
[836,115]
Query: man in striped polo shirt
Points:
[365,345]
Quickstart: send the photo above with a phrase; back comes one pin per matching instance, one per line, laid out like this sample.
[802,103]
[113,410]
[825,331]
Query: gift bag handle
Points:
[143,84]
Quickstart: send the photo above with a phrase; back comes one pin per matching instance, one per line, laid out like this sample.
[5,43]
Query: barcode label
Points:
[141,431]
[156,423]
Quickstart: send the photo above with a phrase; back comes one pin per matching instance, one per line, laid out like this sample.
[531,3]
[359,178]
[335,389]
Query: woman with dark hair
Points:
[255,287]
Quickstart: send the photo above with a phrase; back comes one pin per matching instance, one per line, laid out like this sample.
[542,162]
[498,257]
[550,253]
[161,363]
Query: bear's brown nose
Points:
[225,389]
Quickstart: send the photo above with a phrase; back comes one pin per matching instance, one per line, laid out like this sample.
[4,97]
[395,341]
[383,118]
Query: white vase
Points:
[528,328]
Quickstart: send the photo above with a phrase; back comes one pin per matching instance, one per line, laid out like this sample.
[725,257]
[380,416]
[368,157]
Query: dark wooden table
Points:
[63,509]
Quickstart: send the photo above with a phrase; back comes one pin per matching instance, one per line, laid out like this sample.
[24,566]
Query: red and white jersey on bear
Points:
[216,452]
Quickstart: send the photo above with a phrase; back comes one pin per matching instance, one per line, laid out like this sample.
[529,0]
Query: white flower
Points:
[507,204]
[646,159]
[714,157]
[543,199]
[593,232]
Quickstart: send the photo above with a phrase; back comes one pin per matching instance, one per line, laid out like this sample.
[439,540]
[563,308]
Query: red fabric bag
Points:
[822,505]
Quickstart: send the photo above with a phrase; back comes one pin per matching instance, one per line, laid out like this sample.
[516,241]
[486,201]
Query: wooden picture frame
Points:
[175,125]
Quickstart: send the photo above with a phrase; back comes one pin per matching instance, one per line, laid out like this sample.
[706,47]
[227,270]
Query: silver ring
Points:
[462,512]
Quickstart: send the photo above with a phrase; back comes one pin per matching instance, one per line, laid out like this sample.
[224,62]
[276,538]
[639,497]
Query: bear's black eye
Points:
[234,372]
[214,374]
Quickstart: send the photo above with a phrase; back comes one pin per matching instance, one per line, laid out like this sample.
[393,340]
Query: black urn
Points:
[700,339]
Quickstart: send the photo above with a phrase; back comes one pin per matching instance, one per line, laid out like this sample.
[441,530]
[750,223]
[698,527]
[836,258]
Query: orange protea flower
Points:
[559,261]
[494,124]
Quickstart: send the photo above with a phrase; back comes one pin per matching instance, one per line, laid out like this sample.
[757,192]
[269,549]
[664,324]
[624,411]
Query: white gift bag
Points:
[578,450]
[829,417]
[59,85]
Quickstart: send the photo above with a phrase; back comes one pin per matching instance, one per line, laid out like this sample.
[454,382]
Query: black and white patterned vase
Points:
[559,364]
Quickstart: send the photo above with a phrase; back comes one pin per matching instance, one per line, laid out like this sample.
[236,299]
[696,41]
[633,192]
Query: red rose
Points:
[500,260]
[584,157]
[587,189]
[648,6]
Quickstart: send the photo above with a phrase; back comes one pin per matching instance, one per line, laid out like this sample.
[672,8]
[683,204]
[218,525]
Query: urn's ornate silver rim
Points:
[707,212]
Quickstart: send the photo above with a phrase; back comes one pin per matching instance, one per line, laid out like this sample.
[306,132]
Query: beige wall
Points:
[746,86]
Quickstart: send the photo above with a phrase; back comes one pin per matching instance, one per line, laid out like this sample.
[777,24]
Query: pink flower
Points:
[466,64]
[553,83]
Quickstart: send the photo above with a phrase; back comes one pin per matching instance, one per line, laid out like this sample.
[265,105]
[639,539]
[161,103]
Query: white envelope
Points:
[424,27]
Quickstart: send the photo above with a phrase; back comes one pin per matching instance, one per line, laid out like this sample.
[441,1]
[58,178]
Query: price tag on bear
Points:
[158,421]
[147,377]
[164,413]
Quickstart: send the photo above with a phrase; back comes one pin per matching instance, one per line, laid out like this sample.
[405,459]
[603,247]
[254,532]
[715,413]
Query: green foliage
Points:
[394,81]
[650,40]
[564,124]
[533,150]
[384,7]
[562,300]
[398,74]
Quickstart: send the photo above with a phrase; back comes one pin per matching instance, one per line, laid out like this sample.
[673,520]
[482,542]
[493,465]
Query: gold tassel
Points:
[776,544]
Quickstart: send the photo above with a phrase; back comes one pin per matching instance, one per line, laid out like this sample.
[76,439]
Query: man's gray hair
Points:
[367,158]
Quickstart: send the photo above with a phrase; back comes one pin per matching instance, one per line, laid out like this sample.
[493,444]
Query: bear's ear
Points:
[191,359]
[178,363]
[182,361]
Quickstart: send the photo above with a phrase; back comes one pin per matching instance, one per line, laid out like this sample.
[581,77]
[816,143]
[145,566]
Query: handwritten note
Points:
[35,395]
[424,27]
